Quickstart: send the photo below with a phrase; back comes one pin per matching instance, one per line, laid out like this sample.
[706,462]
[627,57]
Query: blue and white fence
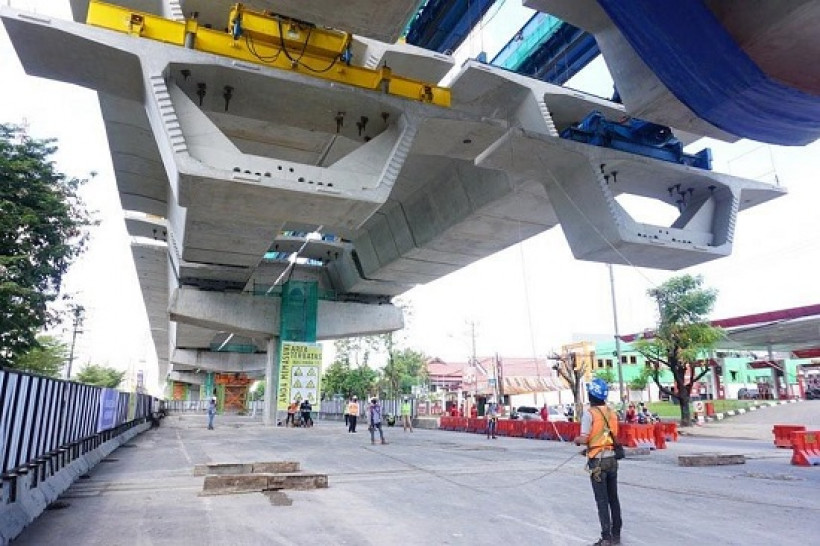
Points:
[45,423]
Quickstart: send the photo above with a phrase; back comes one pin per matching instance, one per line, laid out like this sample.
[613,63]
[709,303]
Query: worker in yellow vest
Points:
[599,428]
[352,414]
[406,418]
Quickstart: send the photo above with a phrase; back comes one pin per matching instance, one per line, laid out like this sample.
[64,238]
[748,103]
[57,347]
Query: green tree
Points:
[404,369]
[42,230]
[101,376]
[607,375]
[47,358]
[640,381]
[340,378]
[334,378]
[682,337]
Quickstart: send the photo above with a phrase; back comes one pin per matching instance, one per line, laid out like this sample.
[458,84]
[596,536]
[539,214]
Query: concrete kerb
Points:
[761,405]
[32,501]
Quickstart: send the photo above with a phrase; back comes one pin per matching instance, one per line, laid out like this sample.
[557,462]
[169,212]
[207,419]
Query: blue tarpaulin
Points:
[689,50]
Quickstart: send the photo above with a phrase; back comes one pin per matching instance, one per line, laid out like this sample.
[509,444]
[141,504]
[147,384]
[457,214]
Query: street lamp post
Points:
[617,338]
[78,311]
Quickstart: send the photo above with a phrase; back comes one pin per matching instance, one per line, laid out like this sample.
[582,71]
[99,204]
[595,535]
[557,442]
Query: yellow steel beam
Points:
[297,36]
[304,49]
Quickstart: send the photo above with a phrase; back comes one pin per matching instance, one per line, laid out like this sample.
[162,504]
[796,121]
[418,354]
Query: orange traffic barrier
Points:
[660,438]
[534,428]
[626,435]
[670,432]
[445,422]
[806,447]
[460,424]
[517,428]
[636,435]
[566,431]
[550,431]
[476,424]
[504,427]
[783,434]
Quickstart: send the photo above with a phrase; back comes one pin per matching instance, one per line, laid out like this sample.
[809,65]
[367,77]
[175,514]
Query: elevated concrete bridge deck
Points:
[216,181]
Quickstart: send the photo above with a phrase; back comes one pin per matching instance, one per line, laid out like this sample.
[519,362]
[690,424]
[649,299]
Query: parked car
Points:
[530,413]
[557,415]
[526,413]
[748,394]
[813,394]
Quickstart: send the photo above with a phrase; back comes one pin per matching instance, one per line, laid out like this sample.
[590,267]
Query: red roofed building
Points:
[519,381]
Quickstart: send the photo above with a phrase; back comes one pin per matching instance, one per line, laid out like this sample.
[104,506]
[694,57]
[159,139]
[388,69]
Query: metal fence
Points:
[46,423]
[327,408]
[184,406]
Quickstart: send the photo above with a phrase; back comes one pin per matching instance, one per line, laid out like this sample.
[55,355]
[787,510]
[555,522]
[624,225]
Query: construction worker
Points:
[492,419]
[374,412]
[406,409]
[291,418]
[599,428]
[352,414]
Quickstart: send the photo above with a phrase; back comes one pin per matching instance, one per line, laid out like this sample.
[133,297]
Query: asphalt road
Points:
[434,487]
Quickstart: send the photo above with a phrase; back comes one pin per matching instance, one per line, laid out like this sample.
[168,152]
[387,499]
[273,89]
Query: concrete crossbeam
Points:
[186,377]
[210,361]
[258,316]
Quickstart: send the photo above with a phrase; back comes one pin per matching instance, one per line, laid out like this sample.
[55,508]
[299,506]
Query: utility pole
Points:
[78,311]
[617,339]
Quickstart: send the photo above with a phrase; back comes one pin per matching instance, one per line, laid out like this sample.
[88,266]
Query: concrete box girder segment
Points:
[140,175]
[148,227]
[258,316]
[188,336]
[582,188]
[224,362]
[151,261]
[426,195]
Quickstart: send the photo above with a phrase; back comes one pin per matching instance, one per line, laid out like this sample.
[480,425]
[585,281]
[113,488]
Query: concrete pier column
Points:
[271,381]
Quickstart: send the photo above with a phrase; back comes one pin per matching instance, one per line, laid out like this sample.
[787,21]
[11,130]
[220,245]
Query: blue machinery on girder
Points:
[638,137]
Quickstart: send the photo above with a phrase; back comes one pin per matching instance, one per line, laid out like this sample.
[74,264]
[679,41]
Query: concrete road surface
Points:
[434,487]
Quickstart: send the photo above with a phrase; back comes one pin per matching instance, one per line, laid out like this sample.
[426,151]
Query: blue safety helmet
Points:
[598,389]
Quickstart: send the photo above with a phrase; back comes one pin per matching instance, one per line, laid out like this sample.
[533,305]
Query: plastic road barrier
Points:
[806,448]
[783,434]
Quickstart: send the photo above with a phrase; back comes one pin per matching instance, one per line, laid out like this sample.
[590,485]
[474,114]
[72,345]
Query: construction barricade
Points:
[476,425]
[806,448]
[564,431]
[534,429]
[783,434]
[550,431]
[445,422]
[670,432]
[645,436]
[517,428]
[660,438]
[460,424]
[504,427]
[626,435]
[635,435]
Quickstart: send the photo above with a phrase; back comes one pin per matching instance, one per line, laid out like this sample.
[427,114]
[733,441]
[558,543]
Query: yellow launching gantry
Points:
[270,40]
